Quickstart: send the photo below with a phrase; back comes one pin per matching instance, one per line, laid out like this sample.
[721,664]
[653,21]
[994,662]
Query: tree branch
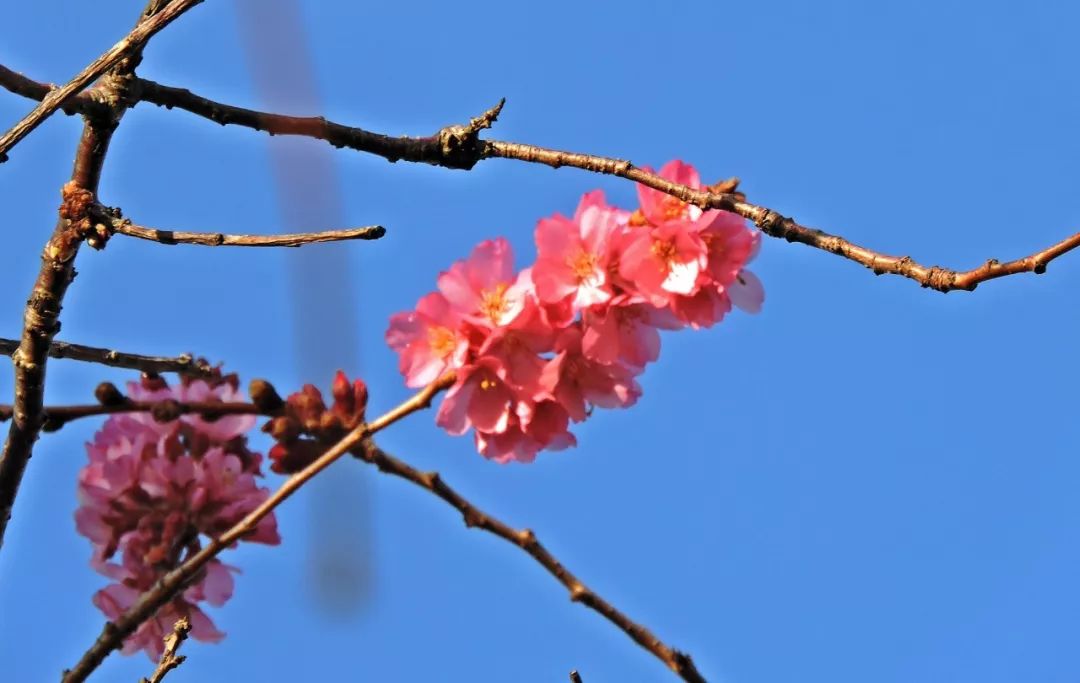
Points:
[41,317]
[169,585]
[677,661]
[460,147]
[55,417]
[218,239]
[82,103]
[452,147]
[169,659]
[128,46]
[183,363]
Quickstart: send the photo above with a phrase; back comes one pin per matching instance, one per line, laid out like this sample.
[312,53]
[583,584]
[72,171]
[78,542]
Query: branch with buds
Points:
[520,356]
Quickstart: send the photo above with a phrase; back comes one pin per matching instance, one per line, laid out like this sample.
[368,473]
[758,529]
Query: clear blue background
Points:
[867,482]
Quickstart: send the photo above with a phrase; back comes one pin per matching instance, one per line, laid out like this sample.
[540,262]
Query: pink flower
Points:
[151,491]
[429,340]
[480,398]
[117,598]
[729,244]
[483,288]
[532,428]
[573,256]
[659,207]
[625,332]
[664,260]
[704,309]
[577,382]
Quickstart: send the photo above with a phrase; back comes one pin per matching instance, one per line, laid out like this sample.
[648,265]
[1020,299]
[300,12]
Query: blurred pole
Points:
[325,304]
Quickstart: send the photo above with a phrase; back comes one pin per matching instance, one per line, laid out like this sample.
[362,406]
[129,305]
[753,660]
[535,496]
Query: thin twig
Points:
[218,239]
[169,659]
[677,661]
[149,602]
[184,363]
[460,147]
[129,45]
[166,410]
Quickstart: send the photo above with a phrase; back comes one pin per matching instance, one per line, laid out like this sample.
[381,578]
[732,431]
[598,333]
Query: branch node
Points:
[526,538]
[460,146]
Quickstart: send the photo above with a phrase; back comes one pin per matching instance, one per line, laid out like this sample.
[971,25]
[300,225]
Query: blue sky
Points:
[868,481]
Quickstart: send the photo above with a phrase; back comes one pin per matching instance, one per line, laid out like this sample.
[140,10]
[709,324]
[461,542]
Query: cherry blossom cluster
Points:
[153,489]
[536,350]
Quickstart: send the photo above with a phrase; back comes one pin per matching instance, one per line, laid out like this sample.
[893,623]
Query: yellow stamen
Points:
[637,219]
[583,264]
[493,303]
[441,340]
[664,250]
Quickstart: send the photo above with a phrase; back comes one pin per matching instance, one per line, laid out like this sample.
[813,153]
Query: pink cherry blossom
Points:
[533,427]
[704,309]
[729,245]
[573,256]
[429,340]
[663,260]
[151,491]
[483,288]
[627,331]
[480,398]
[117,598]
[658,207]
[577,382]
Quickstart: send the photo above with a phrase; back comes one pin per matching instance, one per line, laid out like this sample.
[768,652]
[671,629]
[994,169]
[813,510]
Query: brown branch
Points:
[169,659]
[453,146]
[169,585]
[55,417]
[129,46]
[218,239]
[525,539]
[183,363]
[460,147]
[41,317]
[15,82]
[42,313]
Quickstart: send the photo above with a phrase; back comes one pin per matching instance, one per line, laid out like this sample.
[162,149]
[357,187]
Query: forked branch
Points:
[128,46]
